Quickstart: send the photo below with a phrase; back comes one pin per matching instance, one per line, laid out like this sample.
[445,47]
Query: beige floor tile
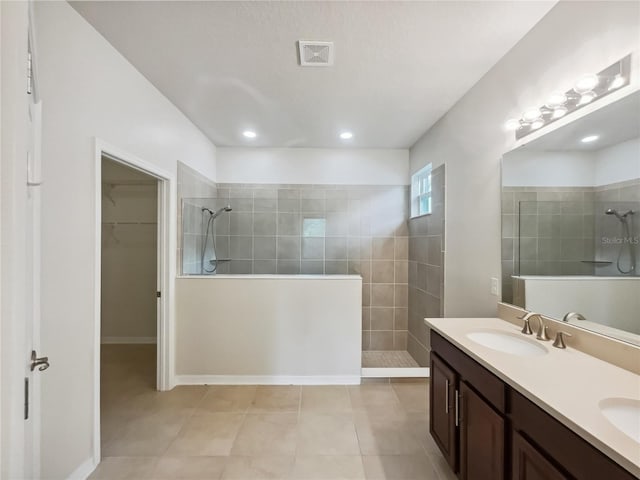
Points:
[267,434]
[258,468]
[328,467]
[207,434]
[228,398]
[276,399]
[325,399]
[191,468]
[442,467]
[373,396]
[146,435]
[327,434]
[386,432]
[399,467]
[125,468]
[414,397]
[186,396]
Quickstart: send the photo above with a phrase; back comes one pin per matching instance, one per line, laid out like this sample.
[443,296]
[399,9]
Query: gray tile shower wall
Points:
[325,229]
[559,230]
[426,270]
[191,185]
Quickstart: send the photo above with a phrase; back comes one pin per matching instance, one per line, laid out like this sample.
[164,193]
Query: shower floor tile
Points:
[388,359]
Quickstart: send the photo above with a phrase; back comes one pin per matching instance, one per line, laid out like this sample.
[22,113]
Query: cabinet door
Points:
[481,438]
[442,420]
[529,464]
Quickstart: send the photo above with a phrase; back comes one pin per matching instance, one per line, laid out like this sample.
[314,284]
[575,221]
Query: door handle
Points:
[446,396]
[42,362]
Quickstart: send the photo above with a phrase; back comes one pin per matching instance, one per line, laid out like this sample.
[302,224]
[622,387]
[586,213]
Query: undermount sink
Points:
[624,414]
[505,342]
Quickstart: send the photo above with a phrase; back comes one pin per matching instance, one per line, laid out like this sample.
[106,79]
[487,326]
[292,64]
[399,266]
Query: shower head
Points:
[218,212]
[621,217]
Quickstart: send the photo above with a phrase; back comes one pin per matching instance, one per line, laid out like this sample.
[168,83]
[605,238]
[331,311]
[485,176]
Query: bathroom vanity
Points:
[506,406]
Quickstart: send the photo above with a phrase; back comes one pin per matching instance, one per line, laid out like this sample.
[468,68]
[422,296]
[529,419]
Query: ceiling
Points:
[614,123]
[233,66]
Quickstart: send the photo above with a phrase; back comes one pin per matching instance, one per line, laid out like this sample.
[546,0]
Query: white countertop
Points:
[567,384]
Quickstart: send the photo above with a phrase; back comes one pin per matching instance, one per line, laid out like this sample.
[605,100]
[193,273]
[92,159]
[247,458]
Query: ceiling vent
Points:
[315,54]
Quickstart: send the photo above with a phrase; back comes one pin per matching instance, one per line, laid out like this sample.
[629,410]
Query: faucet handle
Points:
[559,341]
[526,328]
[542,332]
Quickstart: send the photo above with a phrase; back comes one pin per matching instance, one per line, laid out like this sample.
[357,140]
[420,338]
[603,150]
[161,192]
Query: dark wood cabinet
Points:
[529,464]
[442,409]
[481,438]
[487,430]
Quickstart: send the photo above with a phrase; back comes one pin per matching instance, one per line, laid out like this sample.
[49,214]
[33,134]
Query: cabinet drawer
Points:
[577,456]
[483,381]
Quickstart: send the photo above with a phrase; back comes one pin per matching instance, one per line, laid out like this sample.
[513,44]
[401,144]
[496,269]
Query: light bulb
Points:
[617,82]
[559,112]
[556,99]
[512,124]
[531,114]
[537,124]
[586,83]
[586,97]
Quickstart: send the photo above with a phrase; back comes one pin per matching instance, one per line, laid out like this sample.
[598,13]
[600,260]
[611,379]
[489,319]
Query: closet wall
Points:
[129,255]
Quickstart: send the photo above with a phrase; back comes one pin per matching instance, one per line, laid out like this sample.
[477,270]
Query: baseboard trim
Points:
[83,471]
[406,372]
[128,340]
[267,379]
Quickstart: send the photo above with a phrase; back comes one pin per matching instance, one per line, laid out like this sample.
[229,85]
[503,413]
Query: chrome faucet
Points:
[570,315]
[541,333]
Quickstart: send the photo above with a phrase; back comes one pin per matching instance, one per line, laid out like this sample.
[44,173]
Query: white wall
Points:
[295,329]
[522,168]
[346,166]
[470,138]
[88,90]
[618,163]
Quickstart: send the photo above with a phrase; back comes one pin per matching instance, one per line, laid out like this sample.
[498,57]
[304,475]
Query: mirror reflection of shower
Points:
[626,240]
[210,232]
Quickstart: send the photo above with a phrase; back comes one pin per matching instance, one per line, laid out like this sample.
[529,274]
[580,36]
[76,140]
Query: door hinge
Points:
[29,74]
[26,398]
[158,294]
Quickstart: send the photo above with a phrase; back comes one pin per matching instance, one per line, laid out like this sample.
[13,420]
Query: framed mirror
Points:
[571,222]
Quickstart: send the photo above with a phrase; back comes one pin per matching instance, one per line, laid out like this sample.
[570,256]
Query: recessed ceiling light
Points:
[590,138]
[346,135]
[249,134]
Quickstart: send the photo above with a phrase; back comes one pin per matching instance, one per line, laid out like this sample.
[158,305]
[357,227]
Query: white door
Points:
[36,363]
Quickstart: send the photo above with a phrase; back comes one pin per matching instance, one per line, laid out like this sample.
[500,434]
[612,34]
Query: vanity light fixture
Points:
[587,97]
[249,134]
[590,138]
[586,84]
[617,82]
[586,89]
[346,135]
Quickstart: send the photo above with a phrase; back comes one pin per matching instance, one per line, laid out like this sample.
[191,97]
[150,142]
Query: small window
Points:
[313,227]
[421,192]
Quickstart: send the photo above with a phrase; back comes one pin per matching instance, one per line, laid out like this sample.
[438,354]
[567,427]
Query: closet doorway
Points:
[132,250]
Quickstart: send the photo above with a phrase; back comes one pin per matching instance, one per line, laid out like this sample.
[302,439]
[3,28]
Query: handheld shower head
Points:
[217,212]
[621,217]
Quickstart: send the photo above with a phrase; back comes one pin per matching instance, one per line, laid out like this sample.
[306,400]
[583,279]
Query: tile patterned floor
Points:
[388,358]
[372,431]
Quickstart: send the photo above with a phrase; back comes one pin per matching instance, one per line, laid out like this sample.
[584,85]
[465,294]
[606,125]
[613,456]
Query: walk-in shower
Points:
[626,240]
[210,234]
